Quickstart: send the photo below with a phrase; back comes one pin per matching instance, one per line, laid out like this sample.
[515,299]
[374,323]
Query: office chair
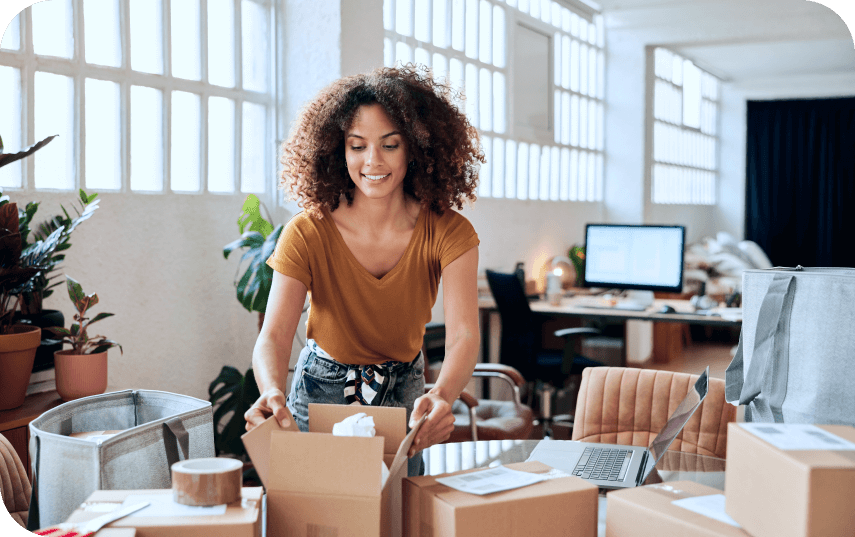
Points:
[629,406]
[546,371]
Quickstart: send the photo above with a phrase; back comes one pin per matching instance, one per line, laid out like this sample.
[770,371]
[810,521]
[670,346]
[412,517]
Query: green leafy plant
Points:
[232,394]
[42,284]
[259,241]
[76,335]
[577,256]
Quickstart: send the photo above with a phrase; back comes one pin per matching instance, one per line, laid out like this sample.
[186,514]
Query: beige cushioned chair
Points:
[14,484]
[618,405]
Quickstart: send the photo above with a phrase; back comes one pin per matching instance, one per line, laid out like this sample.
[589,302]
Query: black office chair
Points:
[546,371]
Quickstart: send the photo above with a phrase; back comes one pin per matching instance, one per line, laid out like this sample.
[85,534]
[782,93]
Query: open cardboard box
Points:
[564,505]
[241,518]
[319,484]
[649,511]
[775,492]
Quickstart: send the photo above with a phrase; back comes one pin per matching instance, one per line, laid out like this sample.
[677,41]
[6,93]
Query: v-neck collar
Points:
[359,267]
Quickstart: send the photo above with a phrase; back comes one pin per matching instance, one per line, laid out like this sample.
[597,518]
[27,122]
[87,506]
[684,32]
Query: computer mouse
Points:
[667,309]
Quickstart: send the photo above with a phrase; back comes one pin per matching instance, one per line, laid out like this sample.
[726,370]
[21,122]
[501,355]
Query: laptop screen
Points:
[677,421]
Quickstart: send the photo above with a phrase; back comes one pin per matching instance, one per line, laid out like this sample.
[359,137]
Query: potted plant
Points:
[20,265]
[81,370]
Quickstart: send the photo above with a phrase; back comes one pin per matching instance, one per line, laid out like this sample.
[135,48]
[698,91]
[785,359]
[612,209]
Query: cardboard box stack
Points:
[320,484]
[240,519]
[561,506]
[775,487]
[650,511]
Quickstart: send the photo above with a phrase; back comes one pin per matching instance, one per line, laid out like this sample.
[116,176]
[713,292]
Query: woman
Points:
[376,161]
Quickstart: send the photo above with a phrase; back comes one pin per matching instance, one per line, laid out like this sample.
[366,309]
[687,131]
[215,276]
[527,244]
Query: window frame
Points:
[28,63]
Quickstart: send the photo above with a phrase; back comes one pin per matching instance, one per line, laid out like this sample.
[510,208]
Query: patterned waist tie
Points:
[363,382]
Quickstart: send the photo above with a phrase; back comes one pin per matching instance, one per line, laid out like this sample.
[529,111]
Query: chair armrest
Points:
[569,332]
[501,375]
[465,397]
[507,370]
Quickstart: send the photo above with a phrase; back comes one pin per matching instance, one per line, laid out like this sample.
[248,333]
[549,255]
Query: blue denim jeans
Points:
[318,378]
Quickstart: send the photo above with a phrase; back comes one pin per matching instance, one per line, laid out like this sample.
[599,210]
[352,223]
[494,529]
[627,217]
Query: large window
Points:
[146,95]
[685,111]
[532,72]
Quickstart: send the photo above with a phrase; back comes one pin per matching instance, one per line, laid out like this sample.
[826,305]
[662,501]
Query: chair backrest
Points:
[14,483]
[518,327]
[628,406]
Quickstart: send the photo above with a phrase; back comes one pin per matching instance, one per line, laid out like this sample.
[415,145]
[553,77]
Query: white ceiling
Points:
[741,40]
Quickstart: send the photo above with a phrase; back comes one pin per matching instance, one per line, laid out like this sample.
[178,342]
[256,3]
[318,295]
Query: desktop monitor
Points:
[643,257]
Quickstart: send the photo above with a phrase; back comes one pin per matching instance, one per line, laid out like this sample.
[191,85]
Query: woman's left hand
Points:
[438,426]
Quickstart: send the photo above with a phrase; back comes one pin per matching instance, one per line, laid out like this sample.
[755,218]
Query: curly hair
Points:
[443,145]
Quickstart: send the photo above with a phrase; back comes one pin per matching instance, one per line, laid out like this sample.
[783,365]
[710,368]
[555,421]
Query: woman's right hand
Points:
[271,402]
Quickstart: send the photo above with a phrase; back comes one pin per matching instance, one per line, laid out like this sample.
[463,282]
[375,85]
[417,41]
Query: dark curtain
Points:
[800,181]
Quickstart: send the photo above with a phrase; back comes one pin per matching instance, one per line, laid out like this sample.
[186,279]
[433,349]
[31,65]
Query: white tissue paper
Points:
[357,425]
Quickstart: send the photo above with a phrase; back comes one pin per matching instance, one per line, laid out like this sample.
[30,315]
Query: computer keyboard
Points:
[606,464]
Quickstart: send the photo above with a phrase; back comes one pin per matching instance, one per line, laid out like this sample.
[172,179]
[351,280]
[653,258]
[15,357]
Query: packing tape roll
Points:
[207,482]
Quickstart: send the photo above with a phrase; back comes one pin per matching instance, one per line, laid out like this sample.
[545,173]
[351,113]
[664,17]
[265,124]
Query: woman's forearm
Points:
[461,355]
[270,363]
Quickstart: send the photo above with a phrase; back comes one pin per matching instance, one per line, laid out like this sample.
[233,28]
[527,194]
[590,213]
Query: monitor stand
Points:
[642,299]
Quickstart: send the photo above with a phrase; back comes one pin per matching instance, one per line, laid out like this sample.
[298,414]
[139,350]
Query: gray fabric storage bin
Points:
[159,429]
[795,362]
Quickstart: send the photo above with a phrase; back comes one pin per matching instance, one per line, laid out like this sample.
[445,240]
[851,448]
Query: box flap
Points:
[401,456]
[389,422]
[811,458]
[257,444]
[325,464]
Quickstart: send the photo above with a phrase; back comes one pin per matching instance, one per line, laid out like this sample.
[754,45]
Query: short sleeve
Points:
[291,256]
[456,237]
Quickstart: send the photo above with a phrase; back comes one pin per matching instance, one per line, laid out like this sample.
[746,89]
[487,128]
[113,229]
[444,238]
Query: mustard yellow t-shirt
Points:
[354,316]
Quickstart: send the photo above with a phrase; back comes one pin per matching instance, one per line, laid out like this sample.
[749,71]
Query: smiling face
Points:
[376,154]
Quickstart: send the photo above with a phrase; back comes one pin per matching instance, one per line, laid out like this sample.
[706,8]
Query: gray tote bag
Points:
[159,429]
[795,362]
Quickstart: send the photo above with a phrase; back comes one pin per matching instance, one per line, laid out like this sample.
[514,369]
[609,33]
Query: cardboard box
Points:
[650,512]
[776,492]
[57,531]
[562,506]
[241,519]
[320,484]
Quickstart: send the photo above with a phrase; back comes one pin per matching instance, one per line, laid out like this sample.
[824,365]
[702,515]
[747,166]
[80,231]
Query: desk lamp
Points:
[559,271]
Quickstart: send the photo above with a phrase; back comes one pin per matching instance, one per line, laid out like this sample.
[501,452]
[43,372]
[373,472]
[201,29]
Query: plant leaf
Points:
[100,316]
[75,291]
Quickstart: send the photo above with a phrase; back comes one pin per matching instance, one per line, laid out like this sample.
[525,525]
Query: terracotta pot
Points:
[17,352]
[80,375]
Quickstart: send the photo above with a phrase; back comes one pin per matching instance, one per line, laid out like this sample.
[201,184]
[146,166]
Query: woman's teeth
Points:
[374,177]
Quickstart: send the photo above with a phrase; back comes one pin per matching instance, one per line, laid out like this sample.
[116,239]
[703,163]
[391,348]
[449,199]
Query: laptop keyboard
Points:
[605,464]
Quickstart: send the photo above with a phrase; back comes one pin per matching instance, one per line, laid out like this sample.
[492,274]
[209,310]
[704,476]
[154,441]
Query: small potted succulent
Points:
[81,370]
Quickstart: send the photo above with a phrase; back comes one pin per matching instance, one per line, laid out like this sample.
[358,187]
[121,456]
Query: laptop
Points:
[612,466]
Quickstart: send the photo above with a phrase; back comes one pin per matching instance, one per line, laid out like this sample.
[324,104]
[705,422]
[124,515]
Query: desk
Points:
[572,307]
[674,466]
[14,423]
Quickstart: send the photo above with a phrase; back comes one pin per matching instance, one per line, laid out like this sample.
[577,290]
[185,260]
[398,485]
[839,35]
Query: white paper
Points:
[490,480]
[359,424]
[711,506]
[164,505]
[796,436]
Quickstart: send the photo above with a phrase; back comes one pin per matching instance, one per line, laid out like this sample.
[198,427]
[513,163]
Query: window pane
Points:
[498,168]
[485,38]
[472,20]
[691,95]
[221,145]
[146,139]
[422,57]
[472,94]
[54,114]
[186,39]
[583,69]
[440,23]
[485,174]
[253,156]
[499,36]
[485,100]
[403,17]
[403,53]
[185,170]
[544,173]
[556,57]
[255,32]
[388,20]
[440,66]
[499,103]
[455,74]
[557,120]
[522,171]
[582,194]
[534,171]
[146,36]
[221,43]
[102,39]
[422,20]
[103,135]
[569,119]
[12,35]
[52,33]
[567,58]
[10,124]
[510,169]
[592,72]
[557,181]
[583,122]
[574,65]
[458,21]
[569,174]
